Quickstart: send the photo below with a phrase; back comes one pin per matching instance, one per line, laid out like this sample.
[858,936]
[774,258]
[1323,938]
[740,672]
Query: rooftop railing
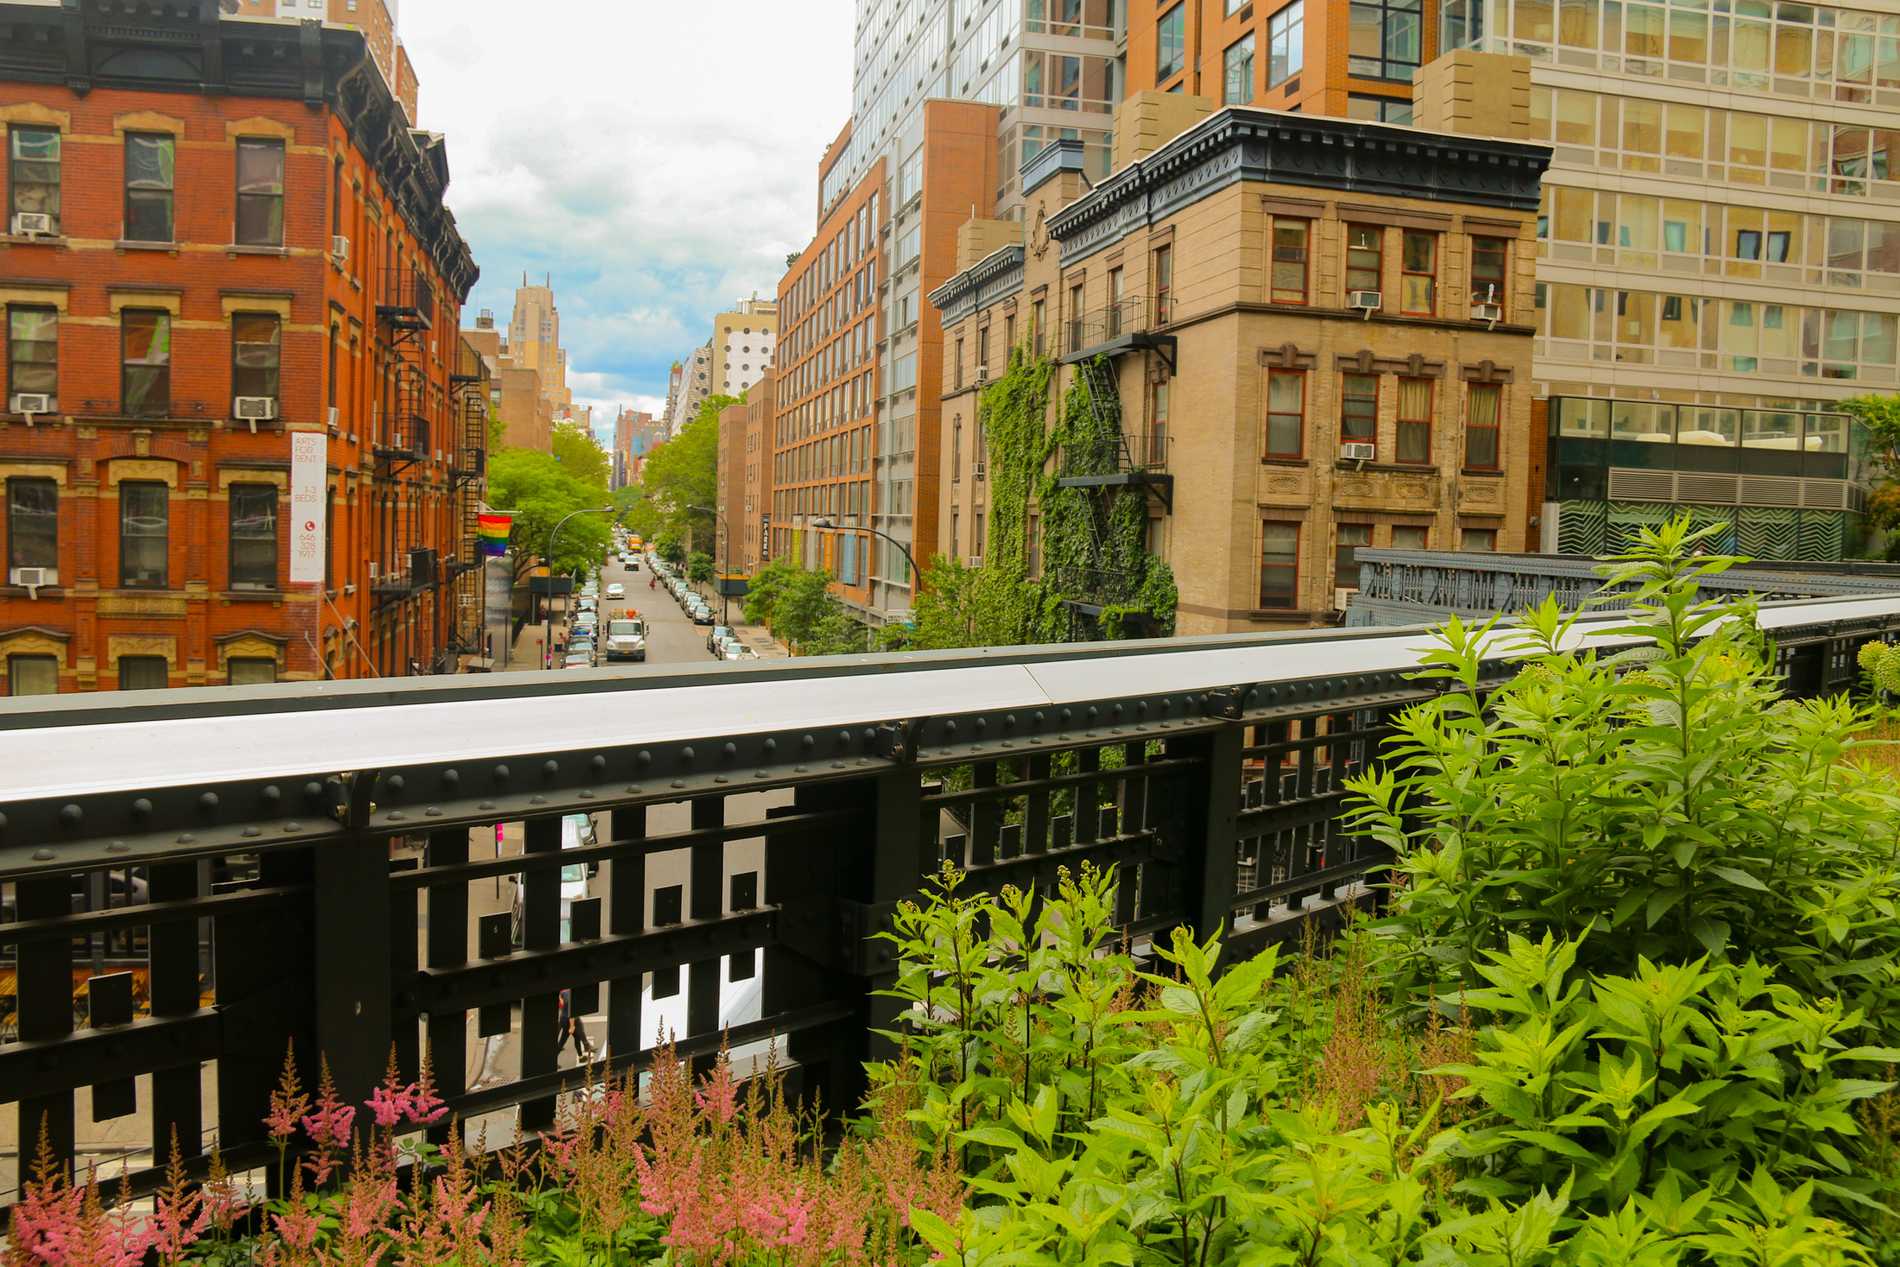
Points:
[197,879]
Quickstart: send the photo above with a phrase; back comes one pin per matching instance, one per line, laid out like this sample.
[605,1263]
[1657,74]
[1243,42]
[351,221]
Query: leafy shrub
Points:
[699,567]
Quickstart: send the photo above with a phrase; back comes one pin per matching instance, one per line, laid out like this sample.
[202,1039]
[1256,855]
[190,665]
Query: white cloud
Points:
[659,160]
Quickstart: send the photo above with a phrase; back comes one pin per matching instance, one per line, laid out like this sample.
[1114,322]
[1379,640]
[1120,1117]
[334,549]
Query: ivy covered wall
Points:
[1093,540]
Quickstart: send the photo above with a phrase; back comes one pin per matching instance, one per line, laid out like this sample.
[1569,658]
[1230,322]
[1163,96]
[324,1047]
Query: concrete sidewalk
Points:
[758,637]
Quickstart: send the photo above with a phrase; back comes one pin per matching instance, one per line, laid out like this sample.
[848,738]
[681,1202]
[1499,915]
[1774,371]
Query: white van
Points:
[577,832]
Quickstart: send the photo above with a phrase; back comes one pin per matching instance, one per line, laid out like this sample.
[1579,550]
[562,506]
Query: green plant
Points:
[699,567]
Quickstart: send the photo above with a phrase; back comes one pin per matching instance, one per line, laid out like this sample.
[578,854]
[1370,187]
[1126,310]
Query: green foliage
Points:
[1663,796]
[1093,543]
[669,546]
[541,491]
[579,454]
[1878,419]
[683,473]
[1880,671]
[764,587]
[699,567]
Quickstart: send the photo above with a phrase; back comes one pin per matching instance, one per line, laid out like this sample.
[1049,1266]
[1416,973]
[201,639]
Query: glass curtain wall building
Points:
[1720,246]
[1049,67]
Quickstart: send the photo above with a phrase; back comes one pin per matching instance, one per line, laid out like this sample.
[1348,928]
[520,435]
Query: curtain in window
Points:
[1415,420]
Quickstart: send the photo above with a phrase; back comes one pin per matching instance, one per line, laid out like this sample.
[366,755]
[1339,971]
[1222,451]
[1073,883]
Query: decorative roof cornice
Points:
[1241,143]
[189,46]
[991,278]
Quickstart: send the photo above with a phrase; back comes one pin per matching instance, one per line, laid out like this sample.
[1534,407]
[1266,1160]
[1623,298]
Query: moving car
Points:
[616,590]
[578,660]
[626,638]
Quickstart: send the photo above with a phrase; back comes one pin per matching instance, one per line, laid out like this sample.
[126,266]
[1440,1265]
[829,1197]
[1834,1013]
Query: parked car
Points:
[729,648]
[718,635]
[745,653]
[702,615]
[627,639]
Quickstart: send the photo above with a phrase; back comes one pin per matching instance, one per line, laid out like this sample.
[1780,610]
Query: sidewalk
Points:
[758,637]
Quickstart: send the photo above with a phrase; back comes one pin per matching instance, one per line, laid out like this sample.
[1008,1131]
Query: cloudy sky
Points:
[659,159]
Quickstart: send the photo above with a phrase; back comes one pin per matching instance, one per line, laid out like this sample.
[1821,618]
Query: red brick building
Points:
[222,233]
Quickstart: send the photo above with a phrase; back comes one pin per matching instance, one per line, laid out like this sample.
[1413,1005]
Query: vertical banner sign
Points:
[309,460]
[765,536]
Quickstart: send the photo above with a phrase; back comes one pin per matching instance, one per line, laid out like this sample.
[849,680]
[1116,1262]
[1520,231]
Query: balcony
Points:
[1119,328]
[265,861]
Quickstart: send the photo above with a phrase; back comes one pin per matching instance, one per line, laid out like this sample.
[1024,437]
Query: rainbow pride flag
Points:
[491,530]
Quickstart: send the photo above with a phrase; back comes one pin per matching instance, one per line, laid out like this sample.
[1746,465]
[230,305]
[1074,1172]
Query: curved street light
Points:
[915,572]
[547,612]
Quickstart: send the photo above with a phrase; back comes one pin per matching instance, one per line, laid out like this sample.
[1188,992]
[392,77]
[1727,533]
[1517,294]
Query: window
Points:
[33,354]
[253,537]
[143,673]
[956,448]
[144,533]
[145,382]
[1415,420]
[1279,565]
[1365,257]
[250,670]
[1483,404]
[32,174]
[1286,42]
[1036,319]
[1484,540]
[1288,281]
[260,191]
[32,675]
[1359,408]
[1418,280]
[255,341]
[1158,406]
[1077,337]
[149,173]
[1385,39]
[1384,109]
[1163,284]
[1410,537]
[1237,70]
[1488,259]
[1345,567]
[983,348]
[1171,42]
[959,372]
[32,524]
[1115,293]
[1286,413]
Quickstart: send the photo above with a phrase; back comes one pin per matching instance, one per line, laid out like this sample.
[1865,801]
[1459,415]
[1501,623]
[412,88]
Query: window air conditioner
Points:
[339,248]
[32,578]
[1484,311]
[982,373]
[330,418]
[32,403]
[1358,452]
[255,409]
[32,224]
[976,470]
[1341,597]
[375,569]
[1366,301]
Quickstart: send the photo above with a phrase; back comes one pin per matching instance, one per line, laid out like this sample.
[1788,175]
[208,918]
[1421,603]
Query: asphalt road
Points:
[671,637]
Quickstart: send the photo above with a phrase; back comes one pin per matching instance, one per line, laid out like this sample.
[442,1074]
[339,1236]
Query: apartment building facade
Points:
[1280,307]
[743,343]
[1719,256]
[198,284]
[823,441]
[753,521]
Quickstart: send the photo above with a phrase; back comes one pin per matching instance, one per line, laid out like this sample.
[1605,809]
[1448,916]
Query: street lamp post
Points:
[547,611]
[902,548]
[719,522]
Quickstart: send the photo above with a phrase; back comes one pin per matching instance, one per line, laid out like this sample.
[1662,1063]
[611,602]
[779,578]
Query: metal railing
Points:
[319,864]
[1104,325]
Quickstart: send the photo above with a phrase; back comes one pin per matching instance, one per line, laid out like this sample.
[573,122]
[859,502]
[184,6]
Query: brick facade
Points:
[402,452]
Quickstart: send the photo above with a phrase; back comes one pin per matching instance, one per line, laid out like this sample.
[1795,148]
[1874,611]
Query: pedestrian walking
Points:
[569,1025]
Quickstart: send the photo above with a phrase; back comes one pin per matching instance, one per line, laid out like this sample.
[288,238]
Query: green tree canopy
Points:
[684,473]
[580,455]
[540,491]
[1880,415]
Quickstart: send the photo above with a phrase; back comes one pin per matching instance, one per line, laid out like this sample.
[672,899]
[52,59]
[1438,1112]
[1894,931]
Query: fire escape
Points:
[1108,464]
[468,469]
[403,444]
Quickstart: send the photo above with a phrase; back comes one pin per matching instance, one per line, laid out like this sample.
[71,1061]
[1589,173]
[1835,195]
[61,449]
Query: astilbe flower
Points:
[180,1215]
[296,1225]
[45,1223]
[330,1127]
[223,1202]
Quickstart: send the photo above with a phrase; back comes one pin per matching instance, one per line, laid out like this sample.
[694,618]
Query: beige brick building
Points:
[1288,310]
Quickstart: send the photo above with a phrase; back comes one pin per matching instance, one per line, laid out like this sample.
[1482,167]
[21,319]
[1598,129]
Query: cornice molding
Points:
[1269,147]
[996,275]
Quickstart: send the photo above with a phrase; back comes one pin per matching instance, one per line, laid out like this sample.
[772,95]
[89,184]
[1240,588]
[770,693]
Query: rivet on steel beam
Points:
[395,783]
[293,825]
[395,816]
[770,745]
[208,802]
[141,808]
[42,855]
[550,768]
[537,800]
[760,774]
[644,757]
[844,739]
[870,734]
[982,724]
[501,772]
[1068,714]
[808,740]
[486,805]
[586,795]
[1037,719]
[186,838]
[432,812]
[1009,720]
[597,763]
[1094,712]
[451,777]
[731,749]
[312,789]
[687,754]
[719,778]
[259,831]
[837,765]
[271,794]
[117,846]
[949,728]
[679,782]
[71,815]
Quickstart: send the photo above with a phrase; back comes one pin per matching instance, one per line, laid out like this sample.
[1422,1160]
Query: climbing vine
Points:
[1094,540]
